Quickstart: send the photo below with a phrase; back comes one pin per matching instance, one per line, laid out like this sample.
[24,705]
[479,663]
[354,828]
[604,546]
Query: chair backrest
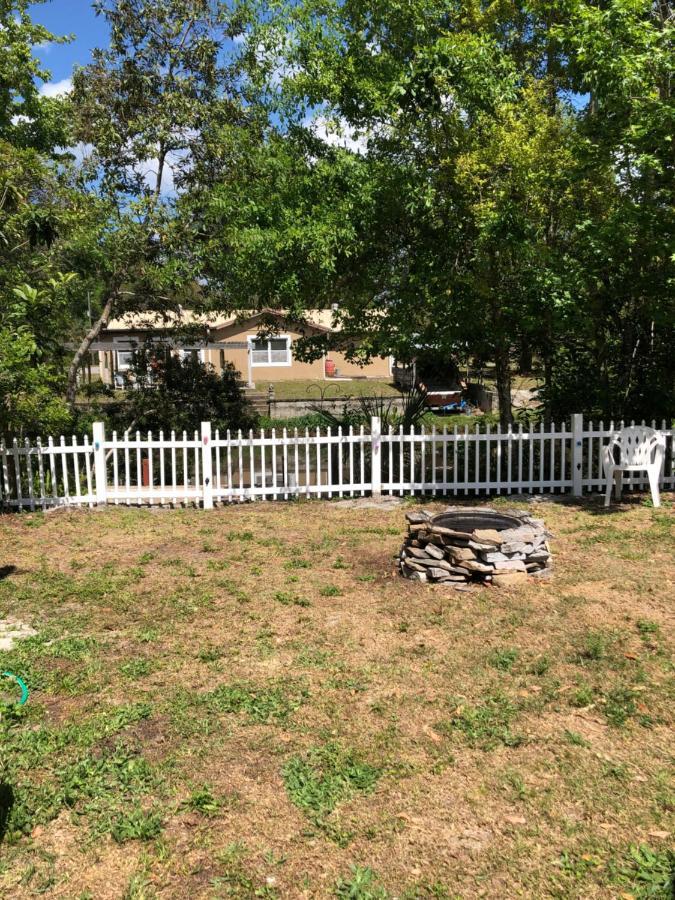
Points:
[636,445]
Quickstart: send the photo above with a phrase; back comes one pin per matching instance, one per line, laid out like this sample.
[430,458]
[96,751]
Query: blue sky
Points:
[74,17]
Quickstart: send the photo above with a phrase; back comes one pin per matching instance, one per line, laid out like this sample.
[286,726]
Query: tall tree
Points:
[423,231]
[615,356]
[509,178]
[140,108]
[37,203]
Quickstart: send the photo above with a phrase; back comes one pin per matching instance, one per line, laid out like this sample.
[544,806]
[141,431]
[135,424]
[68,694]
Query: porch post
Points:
[250,383]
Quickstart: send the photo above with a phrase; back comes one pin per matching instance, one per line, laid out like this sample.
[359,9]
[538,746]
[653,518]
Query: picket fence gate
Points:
[206,467]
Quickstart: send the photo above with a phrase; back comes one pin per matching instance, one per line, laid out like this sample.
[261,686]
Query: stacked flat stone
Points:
[434,552]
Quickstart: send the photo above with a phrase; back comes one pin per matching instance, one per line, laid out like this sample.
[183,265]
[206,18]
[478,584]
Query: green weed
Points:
[647,628]
[648,873]
[203,801]
[361,884]
[209,654]
[620,705]
[261,704]
[73,648]
[297,563]
[503,660]
[235,879]
[574,738]
[136,824]
[487,725]
[313,657]
[50,769]
[578,866]
[239,536]
[664,797]
[148,635]
[139,888]
[619,771]
[287,599]
[514,781]
[136,668]
[539,666]
[594,646]
[319,780]
[583,696]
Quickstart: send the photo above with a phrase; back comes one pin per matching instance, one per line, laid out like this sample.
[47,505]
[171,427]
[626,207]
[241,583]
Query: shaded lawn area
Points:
[249,703]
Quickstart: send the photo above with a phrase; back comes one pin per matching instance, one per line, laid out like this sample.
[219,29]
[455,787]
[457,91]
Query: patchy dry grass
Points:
[249,703]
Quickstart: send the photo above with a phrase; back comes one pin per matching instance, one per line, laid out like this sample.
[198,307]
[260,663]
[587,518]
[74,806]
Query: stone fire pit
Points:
[475,545]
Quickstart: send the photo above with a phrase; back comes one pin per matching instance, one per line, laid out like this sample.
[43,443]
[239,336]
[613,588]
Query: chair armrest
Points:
[658,454]
[608,460]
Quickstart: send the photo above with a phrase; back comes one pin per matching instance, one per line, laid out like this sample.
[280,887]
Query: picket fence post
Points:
[100,473]
[207,466]
[577,454]
[376,456]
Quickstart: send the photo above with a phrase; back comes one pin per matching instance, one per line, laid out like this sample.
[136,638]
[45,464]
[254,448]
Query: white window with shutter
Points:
[274,351]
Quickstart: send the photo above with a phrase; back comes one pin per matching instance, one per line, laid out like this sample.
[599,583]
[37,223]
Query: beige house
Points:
[221,340]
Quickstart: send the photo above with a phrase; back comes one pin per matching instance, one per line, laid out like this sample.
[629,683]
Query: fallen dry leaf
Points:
[515,820]
[431,734]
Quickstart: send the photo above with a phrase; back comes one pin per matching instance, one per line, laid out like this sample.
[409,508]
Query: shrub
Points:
[170,393]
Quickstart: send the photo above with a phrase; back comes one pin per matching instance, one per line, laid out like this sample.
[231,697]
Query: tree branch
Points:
[85,344]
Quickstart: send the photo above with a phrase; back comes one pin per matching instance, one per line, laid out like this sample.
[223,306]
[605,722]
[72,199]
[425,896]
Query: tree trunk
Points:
[503,376]
[83,349]
[548,383]
[525,357]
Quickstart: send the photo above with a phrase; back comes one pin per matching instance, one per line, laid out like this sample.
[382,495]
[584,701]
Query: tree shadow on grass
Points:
[6,804]
[630,500]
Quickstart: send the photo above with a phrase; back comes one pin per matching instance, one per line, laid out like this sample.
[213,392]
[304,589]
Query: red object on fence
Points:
[145,472]
[330,368]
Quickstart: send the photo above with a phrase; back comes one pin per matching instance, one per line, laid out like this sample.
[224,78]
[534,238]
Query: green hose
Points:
[21,683]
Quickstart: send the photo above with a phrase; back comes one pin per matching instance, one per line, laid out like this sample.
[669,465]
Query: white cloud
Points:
[81,152]
[176,161]
[56,88]
[274,56]
[148,169]
[337,133]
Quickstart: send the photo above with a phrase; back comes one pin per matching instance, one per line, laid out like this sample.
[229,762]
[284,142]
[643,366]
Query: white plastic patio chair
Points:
[634,449]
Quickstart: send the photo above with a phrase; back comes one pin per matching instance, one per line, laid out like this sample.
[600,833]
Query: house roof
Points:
[321,319]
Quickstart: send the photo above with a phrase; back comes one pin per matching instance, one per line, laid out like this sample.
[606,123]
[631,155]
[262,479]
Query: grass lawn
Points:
[311,389]
[249,703]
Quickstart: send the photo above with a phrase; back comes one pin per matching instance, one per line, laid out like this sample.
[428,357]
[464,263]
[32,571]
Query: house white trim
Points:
[121,366]
[270,362]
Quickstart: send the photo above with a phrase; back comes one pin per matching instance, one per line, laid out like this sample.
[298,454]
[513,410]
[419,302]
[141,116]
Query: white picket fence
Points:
[206,467]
